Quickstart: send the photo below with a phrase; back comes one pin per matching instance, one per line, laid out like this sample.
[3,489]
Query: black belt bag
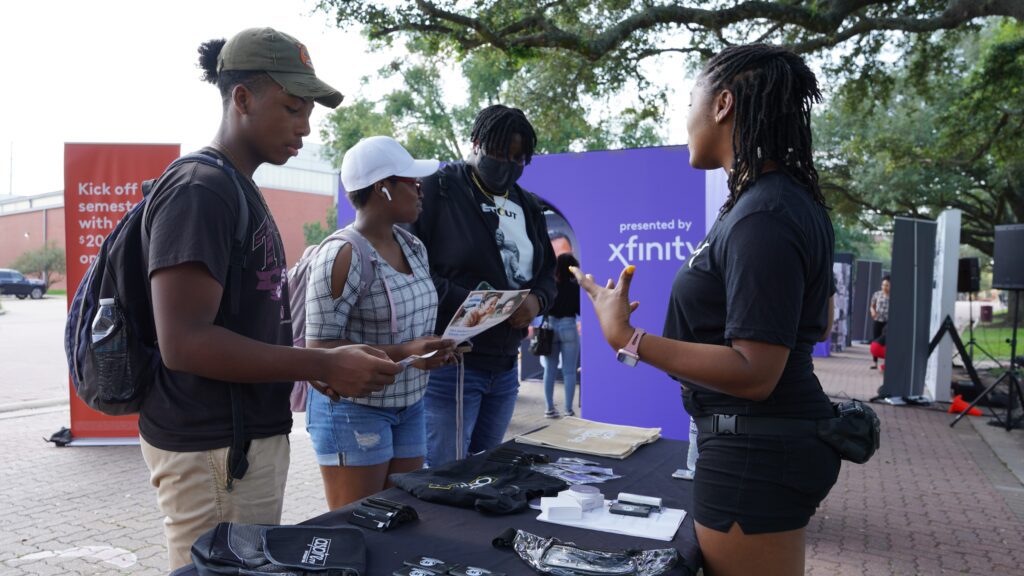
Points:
[854,432]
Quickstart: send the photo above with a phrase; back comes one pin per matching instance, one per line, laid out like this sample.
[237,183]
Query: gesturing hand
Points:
[611,304]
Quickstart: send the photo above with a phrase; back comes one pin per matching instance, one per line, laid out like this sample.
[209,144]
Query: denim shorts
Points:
[349,434]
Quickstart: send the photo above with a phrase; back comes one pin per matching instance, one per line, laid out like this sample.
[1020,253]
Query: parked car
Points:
[14,283]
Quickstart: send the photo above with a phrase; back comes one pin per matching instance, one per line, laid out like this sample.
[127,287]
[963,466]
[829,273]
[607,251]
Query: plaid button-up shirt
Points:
[368,320]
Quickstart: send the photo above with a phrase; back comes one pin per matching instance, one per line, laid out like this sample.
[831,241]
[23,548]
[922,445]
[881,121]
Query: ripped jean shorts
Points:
[349,434]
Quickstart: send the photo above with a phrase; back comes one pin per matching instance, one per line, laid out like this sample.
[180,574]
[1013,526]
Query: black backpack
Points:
[111,374]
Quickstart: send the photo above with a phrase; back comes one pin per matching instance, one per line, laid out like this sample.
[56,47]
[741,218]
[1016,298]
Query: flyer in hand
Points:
[482,310]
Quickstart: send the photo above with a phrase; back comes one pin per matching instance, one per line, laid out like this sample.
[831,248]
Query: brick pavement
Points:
[927,503]
[934,500]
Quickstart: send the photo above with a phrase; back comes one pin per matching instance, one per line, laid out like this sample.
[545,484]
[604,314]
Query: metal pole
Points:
[1014,383]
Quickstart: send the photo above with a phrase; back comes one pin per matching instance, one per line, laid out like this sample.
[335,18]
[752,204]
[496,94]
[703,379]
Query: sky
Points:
[125,71]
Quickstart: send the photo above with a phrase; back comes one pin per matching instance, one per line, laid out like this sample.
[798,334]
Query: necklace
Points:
[490,196]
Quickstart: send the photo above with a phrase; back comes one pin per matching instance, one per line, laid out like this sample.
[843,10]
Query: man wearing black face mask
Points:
[479,226]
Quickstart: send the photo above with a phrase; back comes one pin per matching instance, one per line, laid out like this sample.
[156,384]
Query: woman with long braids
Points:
[744,314]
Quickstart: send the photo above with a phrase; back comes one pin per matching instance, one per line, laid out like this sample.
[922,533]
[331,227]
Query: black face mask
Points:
[498,175]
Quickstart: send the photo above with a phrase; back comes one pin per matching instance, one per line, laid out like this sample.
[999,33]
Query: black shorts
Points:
[764,483]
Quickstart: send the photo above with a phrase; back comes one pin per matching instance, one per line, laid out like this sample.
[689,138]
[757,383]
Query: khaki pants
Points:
[191,490]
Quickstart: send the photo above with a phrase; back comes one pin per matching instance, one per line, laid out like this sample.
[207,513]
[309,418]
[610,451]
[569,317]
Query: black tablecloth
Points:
[463,536]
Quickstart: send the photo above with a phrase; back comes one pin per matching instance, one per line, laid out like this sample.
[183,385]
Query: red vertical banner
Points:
[101,183]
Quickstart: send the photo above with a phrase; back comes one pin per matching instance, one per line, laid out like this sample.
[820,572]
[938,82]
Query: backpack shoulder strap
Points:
[238,253]
[360,249]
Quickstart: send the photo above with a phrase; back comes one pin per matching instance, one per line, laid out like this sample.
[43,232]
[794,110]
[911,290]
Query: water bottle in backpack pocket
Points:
[109,348]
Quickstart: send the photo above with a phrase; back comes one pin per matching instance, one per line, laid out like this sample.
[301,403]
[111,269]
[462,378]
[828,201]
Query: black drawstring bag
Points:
[543,339]
[239,549]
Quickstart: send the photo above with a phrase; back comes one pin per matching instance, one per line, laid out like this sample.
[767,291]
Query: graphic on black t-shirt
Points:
[700,248]
[272,275]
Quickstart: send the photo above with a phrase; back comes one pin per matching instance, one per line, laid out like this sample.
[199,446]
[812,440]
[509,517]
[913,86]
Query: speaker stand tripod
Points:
[948,327]
[1011,377]
[971,342]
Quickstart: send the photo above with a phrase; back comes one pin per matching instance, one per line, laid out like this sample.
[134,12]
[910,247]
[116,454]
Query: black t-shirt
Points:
[478,483]
[763,273]
[192,217]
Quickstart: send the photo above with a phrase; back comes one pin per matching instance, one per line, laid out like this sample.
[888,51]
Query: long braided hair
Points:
[773,90]
[494,127]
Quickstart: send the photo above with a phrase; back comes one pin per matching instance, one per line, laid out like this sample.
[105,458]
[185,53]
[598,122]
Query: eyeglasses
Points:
[414,181]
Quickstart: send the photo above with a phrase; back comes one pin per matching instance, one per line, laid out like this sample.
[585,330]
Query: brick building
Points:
[301,191]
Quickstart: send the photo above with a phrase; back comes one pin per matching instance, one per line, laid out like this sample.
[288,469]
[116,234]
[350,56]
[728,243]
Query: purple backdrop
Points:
[641,206]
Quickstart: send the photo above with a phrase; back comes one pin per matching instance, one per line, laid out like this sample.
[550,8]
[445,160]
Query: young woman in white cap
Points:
[359,442]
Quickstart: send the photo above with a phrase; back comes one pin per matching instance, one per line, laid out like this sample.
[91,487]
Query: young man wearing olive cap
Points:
[222,335]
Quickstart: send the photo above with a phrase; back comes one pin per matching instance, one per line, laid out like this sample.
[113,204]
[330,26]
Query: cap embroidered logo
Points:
[304,56]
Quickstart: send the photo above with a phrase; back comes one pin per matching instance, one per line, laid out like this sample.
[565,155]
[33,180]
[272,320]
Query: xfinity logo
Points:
[317,552]
[632,250]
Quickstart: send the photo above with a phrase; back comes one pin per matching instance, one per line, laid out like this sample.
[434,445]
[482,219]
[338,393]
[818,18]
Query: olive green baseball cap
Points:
[283,58]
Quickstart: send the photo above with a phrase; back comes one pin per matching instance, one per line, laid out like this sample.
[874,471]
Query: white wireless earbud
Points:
[386,193]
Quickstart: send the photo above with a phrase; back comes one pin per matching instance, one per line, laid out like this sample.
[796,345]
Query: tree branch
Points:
[840,21]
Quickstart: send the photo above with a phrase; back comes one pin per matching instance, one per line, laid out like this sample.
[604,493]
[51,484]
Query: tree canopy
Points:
[612,38]
[953,138]
[924,113]
[597,29]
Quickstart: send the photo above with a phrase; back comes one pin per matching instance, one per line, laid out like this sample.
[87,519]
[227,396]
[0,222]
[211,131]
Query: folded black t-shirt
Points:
[481,484]
[763,273]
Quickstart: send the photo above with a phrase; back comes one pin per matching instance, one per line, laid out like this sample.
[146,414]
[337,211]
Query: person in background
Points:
[561,319]
[744,315]
[880,315]
[479,226]
[360,442]
[210,355]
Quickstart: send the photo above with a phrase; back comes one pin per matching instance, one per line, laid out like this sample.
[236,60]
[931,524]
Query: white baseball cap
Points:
[378,157]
